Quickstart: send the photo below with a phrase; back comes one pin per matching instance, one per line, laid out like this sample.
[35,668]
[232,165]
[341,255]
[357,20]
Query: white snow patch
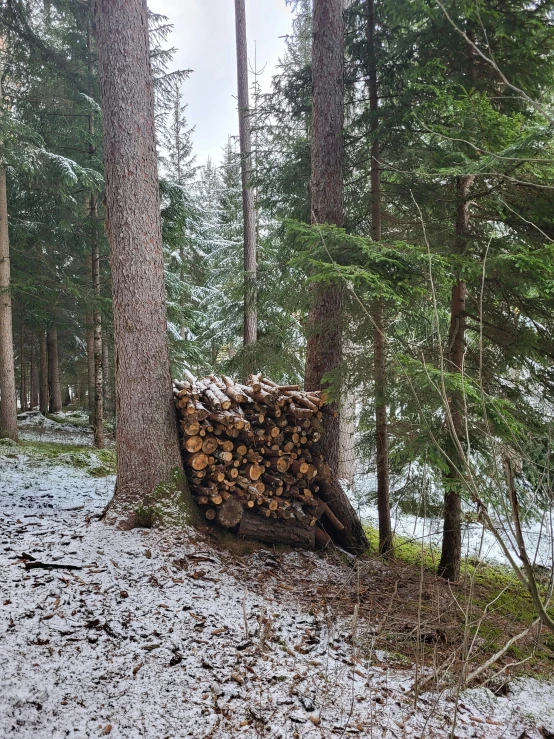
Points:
[158,636]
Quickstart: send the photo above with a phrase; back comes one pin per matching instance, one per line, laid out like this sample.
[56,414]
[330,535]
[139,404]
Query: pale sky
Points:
[204,35]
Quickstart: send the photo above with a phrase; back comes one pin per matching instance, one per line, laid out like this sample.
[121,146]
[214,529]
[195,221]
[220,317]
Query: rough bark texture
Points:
[277,532]
[449,565]
[90,367]
[8,402]
[147,441]
[324,346]
[22,367]
[97,339]
[347,440]
[43,373]
[379,375]
[106,375]
[34,374]
[54,390]
[250,333]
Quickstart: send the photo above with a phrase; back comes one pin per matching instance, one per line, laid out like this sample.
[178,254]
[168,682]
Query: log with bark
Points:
[252,458]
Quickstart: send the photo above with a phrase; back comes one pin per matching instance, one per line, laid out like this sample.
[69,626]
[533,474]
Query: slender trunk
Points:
[8,401]
[90,367]
[324,345]
[34,374]
[147,442]
[449,565]
[54,392]
[98,400]
[67,397]
[43,373]
[97,340]
[106,374]
[23,371]
[379,374]
[250,334]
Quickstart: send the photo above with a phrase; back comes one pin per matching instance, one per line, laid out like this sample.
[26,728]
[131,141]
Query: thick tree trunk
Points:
[449,565]
[34,374]
[8,402]
[23,369]
[90,367]
[147,442]
[379,374]
[44,394]
[97,340]
[324,345]
[250,333]
[54,391]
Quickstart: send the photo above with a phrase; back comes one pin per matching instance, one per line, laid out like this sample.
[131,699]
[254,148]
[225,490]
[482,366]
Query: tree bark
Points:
[106,374]
[250,333]
[34,374]
[324,345]
[449,565]
[8,401]
[23,369]
[97,339]
[98,424]
[54,390]
[90,367]
[147,441]
[379,374]
[43,374]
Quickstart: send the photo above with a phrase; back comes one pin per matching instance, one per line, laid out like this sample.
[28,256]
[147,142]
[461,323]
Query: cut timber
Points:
[276,531]
[198,461]
[230,513]
[193,444]
[322,539]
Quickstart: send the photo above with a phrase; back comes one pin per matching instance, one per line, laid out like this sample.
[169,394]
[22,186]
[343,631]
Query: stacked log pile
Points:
[250,458]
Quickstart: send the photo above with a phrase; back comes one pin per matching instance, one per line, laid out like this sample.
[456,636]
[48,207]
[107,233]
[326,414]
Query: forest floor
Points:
[166,633]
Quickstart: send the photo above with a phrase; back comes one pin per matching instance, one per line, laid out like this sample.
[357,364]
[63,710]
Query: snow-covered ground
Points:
[33,426]
[159,635]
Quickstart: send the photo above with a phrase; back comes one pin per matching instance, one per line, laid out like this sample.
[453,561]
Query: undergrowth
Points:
[498,605]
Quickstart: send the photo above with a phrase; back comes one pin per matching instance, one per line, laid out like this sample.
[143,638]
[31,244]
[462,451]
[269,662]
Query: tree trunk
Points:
[8,401]
[97,339]
[106,374]
[250,333]
[43,373]
[379,375]
[449,565]
[23,369]
[347,441]
[324,345]
[90,367]
[98,415]
[54,391]
[147,441]
[34,374]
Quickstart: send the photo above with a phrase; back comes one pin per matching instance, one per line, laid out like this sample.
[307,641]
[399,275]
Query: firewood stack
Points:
[250,460]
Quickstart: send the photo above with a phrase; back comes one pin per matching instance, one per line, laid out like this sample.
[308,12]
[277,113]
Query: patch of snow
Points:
[159,636]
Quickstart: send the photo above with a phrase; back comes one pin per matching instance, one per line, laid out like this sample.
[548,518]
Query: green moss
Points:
[97,462]
[169,504]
